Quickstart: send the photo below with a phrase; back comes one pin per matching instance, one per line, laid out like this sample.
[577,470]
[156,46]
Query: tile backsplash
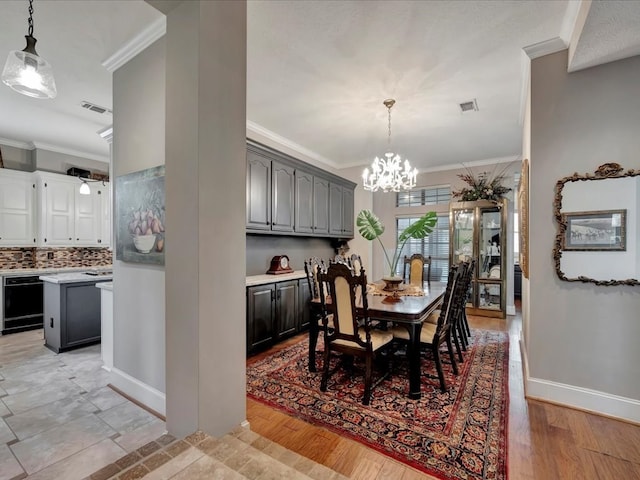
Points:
[17,258]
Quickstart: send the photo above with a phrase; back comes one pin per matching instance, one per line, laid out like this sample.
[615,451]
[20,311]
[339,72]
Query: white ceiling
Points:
[318,71]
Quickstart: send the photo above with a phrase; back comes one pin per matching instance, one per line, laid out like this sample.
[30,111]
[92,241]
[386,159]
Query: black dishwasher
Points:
[23,308]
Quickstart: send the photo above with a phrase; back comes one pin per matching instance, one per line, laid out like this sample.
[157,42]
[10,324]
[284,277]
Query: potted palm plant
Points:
[371,228]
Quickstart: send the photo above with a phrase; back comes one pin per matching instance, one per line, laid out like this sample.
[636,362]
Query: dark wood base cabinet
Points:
[276,311]
[71,315]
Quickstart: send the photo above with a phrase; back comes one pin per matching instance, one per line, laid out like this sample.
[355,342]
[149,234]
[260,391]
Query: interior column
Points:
[205,216]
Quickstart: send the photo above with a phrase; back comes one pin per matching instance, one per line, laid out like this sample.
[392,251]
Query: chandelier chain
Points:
[389,134]
[31,18]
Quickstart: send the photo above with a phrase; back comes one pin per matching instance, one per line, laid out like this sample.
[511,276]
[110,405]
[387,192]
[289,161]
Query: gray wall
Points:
[261,248]
[60,162]
[580,335]
[206,202]
[139,290]
[17,158]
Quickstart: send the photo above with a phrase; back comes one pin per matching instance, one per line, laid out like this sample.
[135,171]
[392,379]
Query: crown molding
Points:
[16,144]
[547,47]
[475,163]
[254,128]
[137,44]
[69,151]
[106,133]
[525,77]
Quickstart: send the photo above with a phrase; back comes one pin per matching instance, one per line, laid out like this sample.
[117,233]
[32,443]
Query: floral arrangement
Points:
[484,186]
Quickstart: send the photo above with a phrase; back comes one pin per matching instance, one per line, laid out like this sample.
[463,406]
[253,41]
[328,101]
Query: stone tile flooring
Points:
[58,417]
[60,421]
[239,455]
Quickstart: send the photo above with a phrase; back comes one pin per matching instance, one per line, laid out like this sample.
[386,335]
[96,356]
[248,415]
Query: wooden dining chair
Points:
[312,267]
[356,263]
[352,334]
[415,266]
[433,336]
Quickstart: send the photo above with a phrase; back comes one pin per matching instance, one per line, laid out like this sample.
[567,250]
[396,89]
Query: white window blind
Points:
[436,245]
[424,196]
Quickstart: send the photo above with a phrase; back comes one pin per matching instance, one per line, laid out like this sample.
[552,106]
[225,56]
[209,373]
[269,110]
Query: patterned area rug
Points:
[461,434]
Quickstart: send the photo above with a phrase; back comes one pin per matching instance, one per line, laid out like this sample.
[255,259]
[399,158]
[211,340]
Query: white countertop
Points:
[105,286]
[43,271]
[263,279]
[75,277]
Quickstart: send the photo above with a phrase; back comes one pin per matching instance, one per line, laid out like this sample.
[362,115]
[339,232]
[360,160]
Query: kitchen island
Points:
[72,309]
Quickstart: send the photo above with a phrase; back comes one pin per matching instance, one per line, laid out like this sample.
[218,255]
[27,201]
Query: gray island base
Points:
[72,310]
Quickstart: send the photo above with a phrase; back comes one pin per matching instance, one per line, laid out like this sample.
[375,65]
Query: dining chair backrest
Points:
[356,263]
[415,265]
[341,259]
[451,300]
[311,268]
[345,290]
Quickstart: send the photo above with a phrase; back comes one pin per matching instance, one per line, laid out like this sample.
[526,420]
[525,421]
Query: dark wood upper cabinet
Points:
[258,191]
[288,197]
[320,206]
[282,187]
[304,202]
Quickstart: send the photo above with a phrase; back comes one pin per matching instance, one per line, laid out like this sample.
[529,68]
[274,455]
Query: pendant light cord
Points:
[31,18]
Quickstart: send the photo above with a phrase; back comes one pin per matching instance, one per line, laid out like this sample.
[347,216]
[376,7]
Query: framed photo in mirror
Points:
[600,230]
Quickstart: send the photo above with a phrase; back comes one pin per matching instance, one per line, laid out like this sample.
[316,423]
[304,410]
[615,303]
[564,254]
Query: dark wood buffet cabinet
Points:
[286,196]
[276,311]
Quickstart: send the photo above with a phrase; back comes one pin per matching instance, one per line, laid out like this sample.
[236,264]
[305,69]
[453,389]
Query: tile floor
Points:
[58,417]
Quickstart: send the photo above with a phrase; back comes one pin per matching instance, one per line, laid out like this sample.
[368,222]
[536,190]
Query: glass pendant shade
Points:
[84,188]
[29,74]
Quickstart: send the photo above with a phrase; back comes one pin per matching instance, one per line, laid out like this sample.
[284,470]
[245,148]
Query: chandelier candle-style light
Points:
[389,174]
[26,72]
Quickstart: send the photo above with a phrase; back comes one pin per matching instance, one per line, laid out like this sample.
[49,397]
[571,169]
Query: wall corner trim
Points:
[137,44]
[145,394]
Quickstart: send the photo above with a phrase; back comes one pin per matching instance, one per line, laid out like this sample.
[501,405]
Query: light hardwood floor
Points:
[546,442]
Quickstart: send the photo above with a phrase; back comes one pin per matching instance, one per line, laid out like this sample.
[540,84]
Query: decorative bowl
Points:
[144,243]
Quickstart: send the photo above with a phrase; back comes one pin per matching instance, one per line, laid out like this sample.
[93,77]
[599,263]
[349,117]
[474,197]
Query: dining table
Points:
[408,311]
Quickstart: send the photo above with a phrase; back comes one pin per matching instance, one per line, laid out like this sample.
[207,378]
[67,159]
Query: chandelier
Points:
[26,72]
[389,174]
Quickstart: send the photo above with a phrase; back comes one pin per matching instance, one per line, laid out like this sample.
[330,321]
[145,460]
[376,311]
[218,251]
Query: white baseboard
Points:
[584,399]
[145,394]
[108,369]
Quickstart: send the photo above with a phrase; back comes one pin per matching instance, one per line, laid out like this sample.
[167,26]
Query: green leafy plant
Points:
[371,228]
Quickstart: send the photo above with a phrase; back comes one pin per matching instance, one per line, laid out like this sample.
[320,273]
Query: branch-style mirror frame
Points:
[603,172]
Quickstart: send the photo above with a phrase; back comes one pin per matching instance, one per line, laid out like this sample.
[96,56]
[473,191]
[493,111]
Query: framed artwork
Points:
[140,216]
[523,218]
[599,230]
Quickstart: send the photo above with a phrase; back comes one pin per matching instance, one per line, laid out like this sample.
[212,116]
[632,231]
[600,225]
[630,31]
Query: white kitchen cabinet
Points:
[68,218]
[17,219]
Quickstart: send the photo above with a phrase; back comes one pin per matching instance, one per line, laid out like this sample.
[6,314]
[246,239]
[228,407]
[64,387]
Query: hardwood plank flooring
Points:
[546,441]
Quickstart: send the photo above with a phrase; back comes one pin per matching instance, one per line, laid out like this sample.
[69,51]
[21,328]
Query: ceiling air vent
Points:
[95,108]
[470,106]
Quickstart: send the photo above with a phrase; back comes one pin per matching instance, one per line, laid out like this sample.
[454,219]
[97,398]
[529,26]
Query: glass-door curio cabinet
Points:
[478,231]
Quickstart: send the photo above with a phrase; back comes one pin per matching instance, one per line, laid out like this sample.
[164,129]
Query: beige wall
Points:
[583,339]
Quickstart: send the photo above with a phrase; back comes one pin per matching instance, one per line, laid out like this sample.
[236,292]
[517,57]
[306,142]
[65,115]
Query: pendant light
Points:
[389,174]
[84,188]
[26,72]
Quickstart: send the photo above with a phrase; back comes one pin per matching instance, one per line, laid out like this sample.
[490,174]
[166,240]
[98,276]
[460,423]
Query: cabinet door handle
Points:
[51,322]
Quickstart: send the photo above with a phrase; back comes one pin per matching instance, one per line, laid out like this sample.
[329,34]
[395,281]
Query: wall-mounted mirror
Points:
[598,226]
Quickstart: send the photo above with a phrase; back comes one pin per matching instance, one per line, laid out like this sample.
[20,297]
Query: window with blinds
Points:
[424,196]
[435,245]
